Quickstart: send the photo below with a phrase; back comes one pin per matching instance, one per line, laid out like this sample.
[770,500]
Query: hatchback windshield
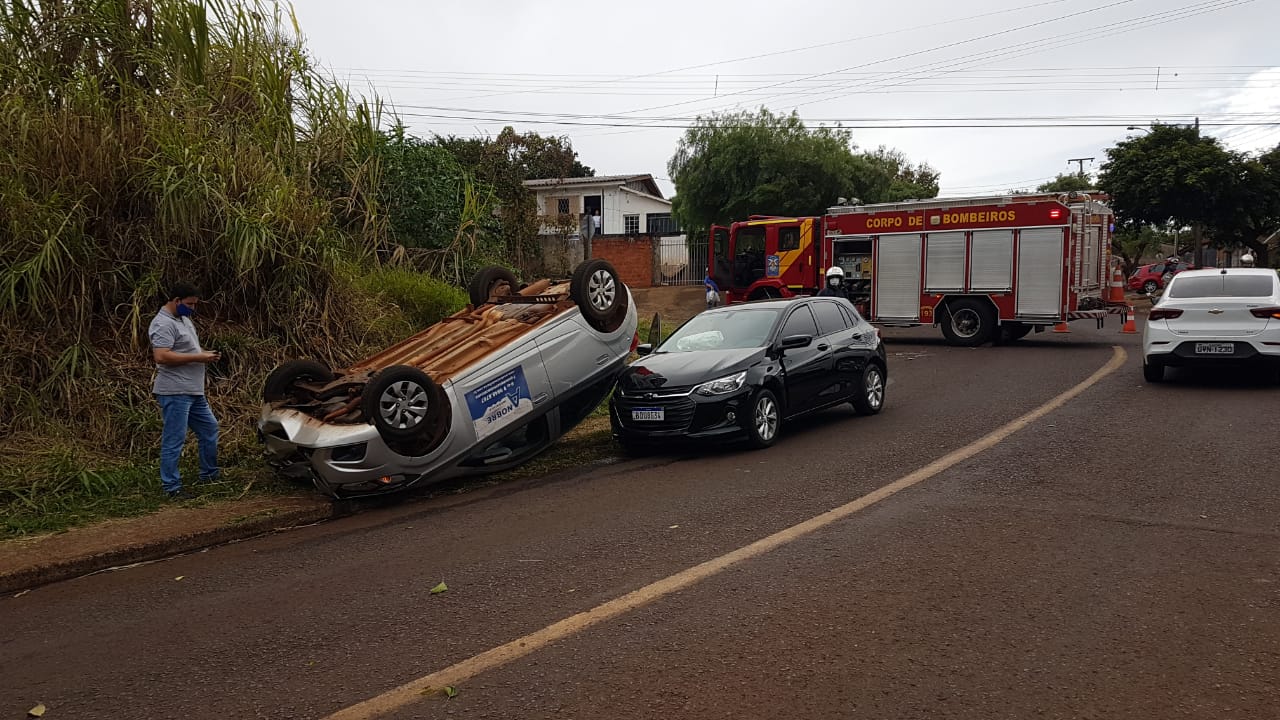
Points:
[1220,286]
[732,330]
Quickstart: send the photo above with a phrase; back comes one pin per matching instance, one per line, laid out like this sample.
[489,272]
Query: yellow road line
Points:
[520,647]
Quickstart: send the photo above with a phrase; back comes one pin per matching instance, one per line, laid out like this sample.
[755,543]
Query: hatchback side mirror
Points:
[792,342]
[644,349]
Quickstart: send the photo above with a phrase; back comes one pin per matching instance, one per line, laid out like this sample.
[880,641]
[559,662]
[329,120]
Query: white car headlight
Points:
[721,386]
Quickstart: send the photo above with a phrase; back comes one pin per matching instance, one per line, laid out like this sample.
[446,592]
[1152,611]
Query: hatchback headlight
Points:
[721,386]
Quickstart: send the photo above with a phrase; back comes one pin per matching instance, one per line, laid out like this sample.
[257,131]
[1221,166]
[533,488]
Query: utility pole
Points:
[1081,162]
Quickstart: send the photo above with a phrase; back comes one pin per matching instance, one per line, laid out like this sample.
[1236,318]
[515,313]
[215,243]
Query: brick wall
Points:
[632,255]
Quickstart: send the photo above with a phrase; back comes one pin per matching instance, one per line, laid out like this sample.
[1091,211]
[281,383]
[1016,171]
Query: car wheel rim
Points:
[403,405]
[601,290]
[766,418]
[875,389]
[966,323]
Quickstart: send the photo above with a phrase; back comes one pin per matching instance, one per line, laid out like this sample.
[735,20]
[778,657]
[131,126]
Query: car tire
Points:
[282,378]
[1150,287]
[407,408]
[868,399]
[969,323]
[1153,372]
[765,421]
[488,282]
[601,297]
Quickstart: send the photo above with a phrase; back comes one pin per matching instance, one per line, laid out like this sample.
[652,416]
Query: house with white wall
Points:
[628,204]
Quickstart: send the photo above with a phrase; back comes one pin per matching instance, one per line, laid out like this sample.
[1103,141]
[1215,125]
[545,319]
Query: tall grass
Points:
[147,141]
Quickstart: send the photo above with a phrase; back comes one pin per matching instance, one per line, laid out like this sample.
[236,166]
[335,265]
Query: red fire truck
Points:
[984,268]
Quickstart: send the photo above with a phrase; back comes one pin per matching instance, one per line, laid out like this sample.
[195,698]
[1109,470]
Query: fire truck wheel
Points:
[281,380]
[488,282]
[969,323]
[765,420]
[868,399]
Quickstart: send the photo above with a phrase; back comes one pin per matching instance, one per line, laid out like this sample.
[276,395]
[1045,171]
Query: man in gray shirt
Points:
[179,388]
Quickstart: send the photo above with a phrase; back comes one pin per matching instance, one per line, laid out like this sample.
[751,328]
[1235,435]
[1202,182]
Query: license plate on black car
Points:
[648,414]
[1215,348]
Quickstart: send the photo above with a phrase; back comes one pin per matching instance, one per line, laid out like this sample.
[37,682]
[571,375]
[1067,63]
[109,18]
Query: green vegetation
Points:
[729,166]
[1173,176]
[147,142]
[1067,183]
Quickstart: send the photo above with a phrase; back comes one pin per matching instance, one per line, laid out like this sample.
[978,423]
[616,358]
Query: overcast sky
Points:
[600,67]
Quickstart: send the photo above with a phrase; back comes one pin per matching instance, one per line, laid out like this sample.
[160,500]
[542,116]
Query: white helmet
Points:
[835,271]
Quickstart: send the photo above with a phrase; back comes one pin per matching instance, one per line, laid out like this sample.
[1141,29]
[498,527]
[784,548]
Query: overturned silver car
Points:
[481,391]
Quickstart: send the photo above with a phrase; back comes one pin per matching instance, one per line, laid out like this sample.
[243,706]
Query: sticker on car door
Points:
[499,402]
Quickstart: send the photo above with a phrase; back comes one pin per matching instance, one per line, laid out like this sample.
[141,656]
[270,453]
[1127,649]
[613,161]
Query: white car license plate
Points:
[648,414]
[1215,349]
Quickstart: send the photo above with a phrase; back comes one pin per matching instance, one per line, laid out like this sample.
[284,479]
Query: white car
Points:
[481,391]
[1214,318]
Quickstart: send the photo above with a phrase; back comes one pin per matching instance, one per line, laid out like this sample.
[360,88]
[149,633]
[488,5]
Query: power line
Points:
[851,126]
[1036,46]
[819,45]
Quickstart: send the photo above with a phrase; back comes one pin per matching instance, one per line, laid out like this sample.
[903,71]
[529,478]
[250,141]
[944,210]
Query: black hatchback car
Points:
[738,372]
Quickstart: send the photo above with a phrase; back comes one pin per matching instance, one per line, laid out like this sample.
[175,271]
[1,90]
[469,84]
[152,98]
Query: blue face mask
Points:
[185,310]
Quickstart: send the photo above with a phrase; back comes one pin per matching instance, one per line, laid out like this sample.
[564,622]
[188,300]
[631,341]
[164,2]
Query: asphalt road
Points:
[1116,557]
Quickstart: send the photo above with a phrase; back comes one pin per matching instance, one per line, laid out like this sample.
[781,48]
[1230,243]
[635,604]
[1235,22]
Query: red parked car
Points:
[1150,278]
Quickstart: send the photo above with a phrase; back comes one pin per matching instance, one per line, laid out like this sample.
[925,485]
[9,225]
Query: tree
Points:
[504,163]
[729,166]
[1131,244]
[1172,174]
[1248,210]
[1067,182]
[905,181]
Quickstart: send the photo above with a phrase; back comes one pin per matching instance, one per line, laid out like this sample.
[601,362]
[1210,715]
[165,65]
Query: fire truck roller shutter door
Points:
[898,277]
[991,261]
[944,262]
[1040,273]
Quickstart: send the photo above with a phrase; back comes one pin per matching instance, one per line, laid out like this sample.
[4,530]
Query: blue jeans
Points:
[181,412]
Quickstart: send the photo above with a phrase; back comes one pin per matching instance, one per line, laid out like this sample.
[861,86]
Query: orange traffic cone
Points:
[1116,291]
[1130,328]
[1061,327]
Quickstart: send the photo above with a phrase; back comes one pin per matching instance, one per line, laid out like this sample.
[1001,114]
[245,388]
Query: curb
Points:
[32,577]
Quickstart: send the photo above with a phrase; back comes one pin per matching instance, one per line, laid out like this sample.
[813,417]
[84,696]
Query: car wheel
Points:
[968,323]
[600,294]
[868,399]
[1150,287]
[407,408]
[766,419]
[489,282]
[280,381]
[1153,372]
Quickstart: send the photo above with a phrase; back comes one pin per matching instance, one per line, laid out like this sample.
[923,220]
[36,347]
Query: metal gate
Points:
[681,260]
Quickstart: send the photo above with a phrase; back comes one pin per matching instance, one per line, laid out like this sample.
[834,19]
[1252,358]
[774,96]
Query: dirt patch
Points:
[675,303]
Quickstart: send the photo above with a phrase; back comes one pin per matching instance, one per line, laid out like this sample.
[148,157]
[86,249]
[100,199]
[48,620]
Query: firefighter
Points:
[835,283]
